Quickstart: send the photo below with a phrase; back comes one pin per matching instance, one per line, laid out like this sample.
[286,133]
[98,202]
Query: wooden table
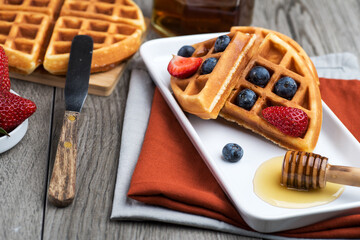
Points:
[320,26]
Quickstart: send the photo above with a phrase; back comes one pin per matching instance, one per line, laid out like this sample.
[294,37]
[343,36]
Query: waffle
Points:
[261,33]
[48,7]
[281,58]
[23,36]
[118,11]
[26,27]
[204,95]
[113,42]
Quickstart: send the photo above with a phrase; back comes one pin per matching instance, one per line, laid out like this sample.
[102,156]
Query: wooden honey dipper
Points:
[303,170]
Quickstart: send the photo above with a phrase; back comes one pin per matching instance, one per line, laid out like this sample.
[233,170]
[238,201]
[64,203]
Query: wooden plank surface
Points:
[22,170]
[320,26]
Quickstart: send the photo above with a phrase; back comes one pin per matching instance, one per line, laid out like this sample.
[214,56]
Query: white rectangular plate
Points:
[236,179]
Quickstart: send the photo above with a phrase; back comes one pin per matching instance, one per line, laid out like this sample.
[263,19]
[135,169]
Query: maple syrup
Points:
[183,17]
[267,187]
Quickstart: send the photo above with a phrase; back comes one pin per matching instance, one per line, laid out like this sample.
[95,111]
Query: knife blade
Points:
[63,179]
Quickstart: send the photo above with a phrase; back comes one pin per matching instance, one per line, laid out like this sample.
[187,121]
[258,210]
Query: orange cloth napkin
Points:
[171,173]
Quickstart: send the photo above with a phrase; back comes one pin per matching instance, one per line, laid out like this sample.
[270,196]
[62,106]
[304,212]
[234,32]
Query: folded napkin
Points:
[185,184]
[170,172]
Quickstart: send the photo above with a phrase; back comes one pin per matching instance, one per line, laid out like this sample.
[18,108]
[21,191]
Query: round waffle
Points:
[206,95]
[27,25]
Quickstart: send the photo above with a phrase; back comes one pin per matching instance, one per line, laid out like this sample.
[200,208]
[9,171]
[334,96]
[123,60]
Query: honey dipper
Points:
[303,170]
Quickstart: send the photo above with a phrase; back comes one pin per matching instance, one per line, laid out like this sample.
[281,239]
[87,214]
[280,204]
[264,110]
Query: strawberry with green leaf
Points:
[3,132]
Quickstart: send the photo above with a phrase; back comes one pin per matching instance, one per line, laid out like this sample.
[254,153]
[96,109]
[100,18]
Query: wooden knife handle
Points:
[62,183]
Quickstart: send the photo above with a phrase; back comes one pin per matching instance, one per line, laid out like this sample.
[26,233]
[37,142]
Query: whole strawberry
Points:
[4,71]
[290,121]
[14,110]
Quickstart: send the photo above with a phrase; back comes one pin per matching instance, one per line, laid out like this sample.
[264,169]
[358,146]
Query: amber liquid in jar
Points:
[183,17]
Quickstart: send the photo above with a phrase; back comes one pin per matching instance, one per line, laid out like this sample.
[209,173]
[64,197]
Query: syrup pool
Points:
[268,188]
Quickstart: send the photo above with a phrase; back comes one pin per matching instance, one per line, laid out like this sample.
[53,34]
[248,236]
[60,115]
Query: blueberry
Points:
[259,76]
[286,87]
[221,43]
[246,99]
[232,152]
[208,65]
[186,51]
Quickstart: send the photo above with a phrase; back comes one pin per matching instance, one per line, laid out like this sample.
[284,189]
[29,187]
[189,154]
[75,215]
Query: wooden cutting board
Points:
[101,84]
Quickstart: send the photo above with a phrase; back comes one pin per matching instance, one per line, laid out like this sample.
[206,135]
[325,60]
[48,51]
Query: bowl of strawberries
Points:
[14,109]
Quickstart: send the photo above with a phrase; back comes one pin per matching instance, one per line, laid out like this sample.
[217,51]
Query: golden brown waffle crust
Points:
[307,98]
[119,9]
[104,57]
[25,39]
[50,7]
[262,32]
[281,56]
[25,53]
[207,103]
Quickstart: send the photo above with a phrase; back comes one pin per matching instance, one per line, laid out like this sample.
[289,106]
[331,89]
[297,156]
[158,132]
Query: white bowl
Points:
[7,142]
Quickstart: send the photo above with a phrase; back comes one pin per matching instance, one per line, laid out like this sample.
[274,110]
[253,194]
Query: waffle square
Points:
[23,35]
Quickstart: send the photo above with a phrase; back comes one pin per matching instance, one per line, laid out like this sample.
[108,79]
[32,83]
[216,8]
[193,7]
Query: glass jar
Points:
[183,17]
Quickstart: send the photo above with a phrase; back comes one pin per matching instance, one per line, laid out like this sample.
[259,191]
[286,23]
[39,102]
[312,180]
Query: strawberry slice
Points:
[14,110]
[182,67]
[291,121]
[4,71]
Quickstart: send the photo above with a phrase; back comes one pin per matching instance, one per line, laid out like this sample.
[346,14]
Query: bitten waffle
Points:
[281,57]
[115,25]
[204,95]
